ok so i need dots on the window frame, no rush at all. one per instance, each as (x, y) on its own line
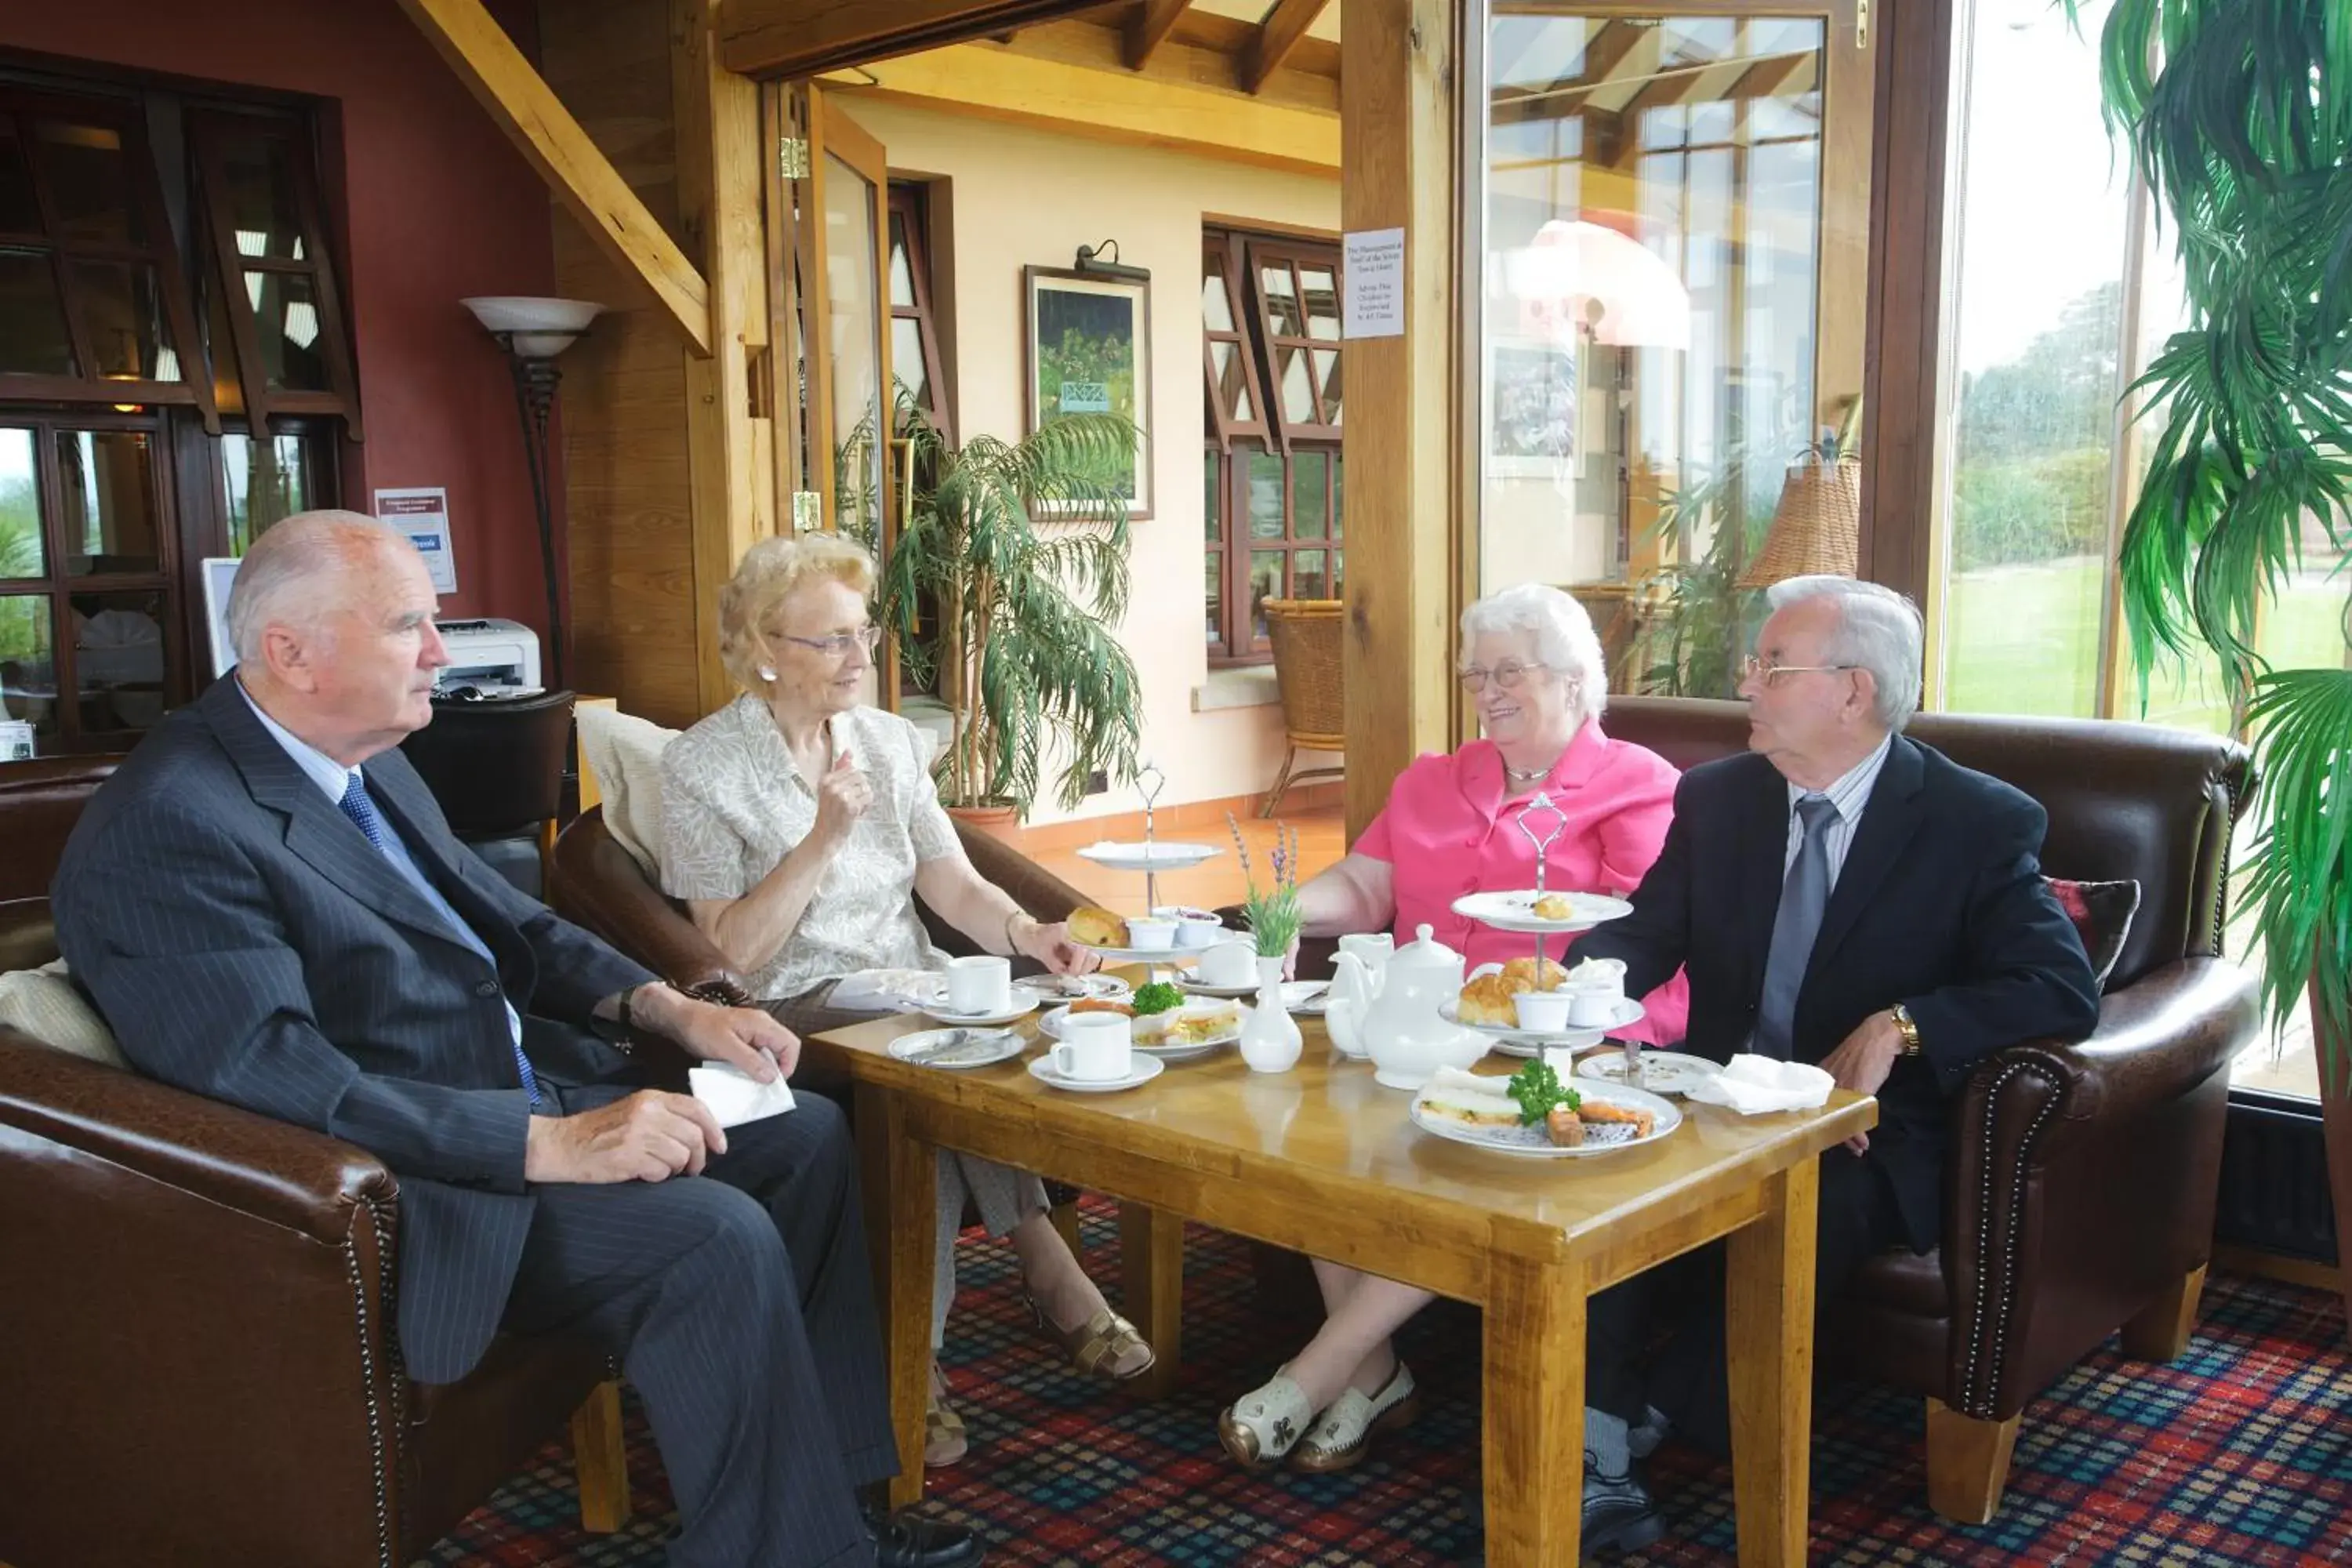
(24, 104)
(1227, 250)
(1296, 256)
(1238, 643)
(909, 203)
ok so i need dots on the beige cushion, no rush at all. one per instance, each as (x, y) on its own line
(42, 1003)
(623, 752)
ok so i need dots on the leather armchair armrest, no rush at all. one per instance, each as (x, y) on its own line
(286, 1176)
(2082, 1178)
(596, 885)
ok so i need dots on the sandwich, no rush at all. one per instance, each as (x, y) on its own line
(1470, 1099)
(1094, 927)
(1201, 1024)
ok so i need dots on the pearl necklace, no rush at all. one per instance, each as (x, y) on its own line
(1529, 775)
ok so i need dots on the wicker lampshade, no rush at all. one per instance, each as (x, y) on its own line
(1817, 527)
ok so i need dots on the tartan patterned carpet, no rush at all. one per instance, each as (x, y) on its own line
(2239, 1454)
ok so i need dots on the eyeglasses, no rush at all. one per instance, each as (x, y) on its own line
(1769, 673)
(1507, 675)
(838, 645)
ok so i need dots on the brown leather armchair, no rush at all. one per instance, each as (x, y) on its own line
(196, 1353)
(2081, 1190)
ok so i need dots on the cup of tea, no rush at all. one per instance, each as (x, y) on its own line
(1095, 1047)
(981, 984)
(1228, 964)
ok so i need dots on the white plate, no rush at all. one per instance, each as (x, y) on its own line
(1516, 910)
(906, 1046)
(1164, 956)
(1295, 992)
(1156, 856)
(1534, 1143)
(1663, 1072)
(1146, 1069)
(1104, 987)
(1051, 1025)
(1629, 1013)
(1026, 999)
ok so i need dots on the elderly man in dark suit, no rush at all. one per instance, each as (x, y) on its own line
(270, 909)
(1840, 895)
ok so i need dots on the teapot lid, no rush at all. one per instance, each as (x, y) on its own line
(1423, 950)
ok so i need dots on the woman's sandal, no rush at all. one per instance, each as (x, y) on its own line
(1096, 1346)
(945, 1441)
(1342, 1435)
(1262, 1425)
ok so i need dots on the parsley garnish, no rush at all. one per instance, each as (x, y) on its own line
(1157, 997)
(1539, 1091)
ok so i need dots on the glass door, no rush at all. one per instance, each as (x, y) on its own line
(1675, 210)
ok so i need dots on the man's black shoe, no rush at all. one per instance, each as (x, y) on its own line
(910, 1540)
(1617, 1512)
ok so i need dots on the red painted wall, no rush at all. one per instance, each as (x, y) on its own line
(437, 206)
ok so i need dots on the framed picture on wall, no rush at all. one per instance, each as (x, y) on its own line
(1089, 351)
(1532, 400)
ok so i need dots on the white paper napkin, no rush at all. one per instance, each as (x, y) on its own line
(1752, 1085)
(734, 1096)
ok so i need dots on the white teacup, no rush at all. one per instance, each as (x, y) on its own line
(1228, 964)
(1593, 1004)
(1543, 1012)
(980, 983)
(1151, 933)
(1095, 1047)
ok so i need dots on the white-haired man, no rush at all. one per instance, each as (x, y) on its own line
(1841, 895)
(270, 910)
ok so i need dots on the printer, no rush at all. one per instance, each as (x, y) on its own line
(495, 656)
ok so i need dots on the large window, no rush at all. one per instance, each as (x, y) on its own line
(1274, 509)
(173, 368)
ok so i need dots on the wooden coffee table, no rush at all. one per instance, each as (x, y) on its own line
(1323, 1160)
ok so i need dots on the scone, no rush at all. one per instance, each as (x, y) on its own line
(1487, 1000)
(1091, 926)
(1520, 972)
(1554, 907)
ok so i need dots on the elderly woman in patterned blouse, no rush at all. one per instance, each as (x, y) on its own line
(800, 824)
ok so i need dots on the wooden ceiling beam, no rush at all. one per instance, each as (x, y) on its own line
(1605, 51)
(473, 43)
(803, 37)
(1773, 76)
(1277, 36)
(1148, 26)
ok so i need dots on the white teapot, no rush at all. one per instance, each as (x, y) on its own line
(1391, 1014)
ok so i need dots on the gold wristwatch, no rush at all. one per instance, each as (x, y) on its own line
(1908, 1027)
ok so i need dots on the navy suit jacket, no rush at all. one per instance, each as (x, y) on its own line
(1940, 905)
(245, 942)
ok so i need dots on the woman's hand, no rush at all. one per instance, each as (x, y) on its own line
(843, 796)
(1050, 946)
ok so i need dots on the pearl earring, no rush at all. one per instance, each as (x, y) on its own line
(767, 672)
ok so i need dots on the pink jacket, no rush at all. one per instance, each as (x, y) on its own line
(1446, 833)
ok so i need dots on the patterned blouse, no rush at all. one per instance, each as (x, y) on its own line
(733, 805)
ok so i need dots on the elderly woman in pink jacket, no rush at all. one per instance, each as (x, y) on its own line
(1532, 666)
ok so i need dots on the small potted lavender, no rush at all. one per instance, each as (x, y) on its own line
(1270, 1040)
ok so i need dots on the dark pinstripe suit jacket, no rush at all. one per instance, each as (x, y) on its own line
(246, 942)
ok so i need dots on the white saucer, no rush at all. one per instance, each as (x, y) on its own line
(1671, 1073)
(907, 1047)
(1103, 987)
(1162, 956)
(1147, 1067)
(1026, 999)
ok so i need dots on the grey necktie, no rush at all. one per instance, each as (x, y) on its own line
(1802, 898)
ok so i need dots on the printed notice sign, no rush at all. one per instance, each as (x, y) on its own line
(1374, 274)
(423, 514)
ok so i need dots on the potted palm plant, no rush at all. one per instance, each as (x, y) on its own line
(2240, 117)
(1008, 576)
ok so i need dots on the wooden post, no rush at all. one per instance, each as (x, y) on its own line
(1399, 81)
(731, 435)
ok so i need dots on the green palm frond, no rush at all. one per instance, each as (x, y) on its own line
(2239, 115)
(1023, 547)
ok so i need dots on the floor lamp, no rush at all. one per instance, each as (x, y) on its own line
(532, 332)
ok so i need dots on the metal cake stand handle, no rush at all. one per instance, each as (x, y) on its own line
(1149, 782)
(1543, 802)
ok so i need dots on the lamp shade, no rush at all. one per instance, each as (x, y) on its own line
(1817, 528)
(1579, 274)
(536, 328)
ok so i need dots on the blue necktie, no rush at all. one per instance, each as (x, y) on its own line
(359, 807)
(1803, 896)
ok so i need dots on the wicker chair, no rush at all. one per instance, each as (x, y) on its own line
(1305, 633)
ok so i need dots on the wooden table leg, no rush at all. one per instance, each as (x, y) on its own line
(1769, 1304)
(1151, 1263)
(908, 1172)
(1534, 1412)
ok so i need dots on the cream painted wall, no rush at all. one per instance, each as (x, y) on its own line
(1023, 197)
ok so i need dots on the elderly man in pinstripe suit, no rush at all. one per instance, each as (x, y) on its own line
(270, 909)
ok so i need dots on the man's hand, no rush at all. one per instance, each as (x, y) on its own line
(843, 796)
(648, 1137)
(1050, 946)
(744, 1039)
(1862, 1060)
